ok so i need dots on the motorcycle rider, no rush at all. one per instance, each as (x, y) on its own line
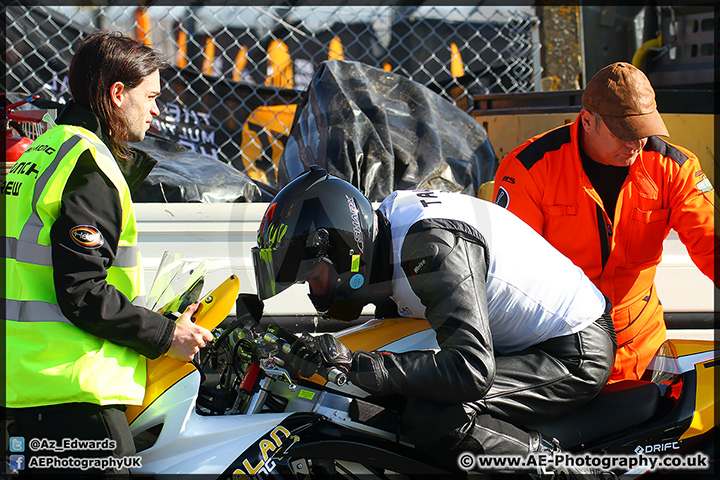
(523, 333)
(76, 345)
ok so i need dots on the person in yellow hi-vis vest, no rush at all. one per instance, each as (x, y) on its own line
(76, 344)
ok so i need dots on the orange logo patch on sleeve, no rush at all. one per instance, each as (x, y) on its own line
(87, 236)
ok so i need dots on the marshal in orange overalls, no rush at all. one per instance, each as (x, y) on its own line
(543, 182)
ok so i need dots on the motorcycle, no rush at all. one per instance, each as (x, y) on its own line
(236, 413)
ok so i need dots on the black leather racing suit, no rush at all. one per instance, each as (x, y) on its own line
(467, 391)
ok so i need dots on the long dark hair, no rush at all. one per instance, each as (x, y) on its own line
(101, 59)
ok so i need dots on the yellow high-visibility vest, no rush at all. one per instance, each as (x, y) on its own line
(48, 359)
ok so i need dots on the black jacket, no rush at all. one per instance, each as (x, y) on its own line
(447, 270)
(84, 296)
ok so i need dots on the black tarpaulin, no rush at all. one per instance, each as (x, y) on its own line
(383, 132)
(185, 176)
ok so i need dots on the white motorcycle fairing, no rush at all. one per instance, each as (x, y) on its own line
(189, 443)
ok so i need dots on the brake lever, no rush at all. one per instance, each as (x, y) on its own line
(269, 367)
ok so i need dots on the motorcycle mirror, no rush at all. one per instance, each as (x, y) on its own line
(251, 305)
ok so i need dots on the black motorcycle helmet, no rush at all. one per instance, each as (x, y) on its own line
(318, 218)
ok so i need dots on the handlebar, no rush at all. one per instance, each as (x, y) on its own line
(329, 373)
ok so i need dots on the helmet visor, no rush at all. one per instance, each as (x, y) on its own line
(276, 269)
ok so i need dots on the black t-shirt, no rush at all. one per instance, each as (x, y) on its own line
(607, 180)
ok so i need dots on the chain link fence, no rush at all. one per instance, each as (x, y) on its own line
(239, 72)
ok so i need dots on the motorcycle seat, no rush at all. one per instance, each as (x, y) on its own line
(616, 408)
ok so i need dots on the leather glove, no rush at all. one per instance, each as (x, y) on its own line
(249, 303)
(308, 353)
(369, 373)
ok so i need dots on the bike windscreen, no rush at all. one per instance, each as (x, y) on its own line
(175, 278)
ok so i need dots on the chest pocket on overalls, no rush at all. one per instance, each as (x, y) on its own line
(560, 221)
(646, 233)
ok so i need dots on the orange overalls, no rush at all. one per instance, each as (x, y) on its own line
(543, 182)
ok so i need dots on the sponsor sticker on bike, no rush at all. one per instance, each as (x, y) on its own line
(265, 453)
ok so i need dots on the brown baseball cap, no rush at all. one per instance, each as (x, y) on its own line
(622, 95)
